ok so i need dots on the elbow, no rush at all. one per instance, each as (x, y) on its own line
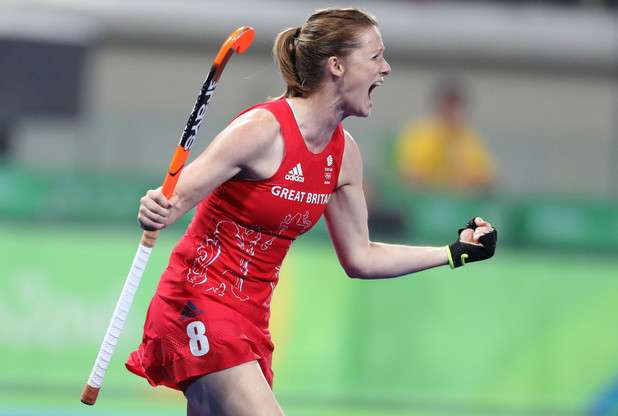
(353, 273)
(355, 270)
(357, 264)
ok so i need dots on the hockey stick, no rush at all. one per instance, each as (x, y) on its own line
(238, 41)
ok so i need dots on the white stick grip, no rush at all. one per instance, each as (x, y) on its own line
(118, 319)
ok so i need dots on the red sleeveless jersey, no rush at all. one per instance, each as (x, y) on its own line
(235, 245)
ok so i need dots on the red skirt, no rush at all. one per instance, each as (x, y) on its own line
(189, 337)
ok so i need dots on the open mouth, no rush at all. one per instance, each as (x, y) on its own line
(374, 86)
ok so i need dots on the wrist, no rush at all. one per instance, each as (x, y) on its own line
(456, 255)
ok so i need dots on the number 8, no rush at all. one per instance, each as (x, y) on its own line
(198, 342)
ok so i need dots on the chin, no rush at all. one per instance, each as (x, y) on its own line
(363, 114)
(363, 110)
(367, 112)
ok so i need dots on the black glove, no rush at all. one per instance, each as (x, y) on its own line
(460, 253)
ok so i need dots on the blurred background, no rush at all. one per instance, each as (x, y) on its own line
(93, 99)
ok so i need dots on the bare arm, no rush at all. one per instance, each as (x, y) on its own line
(346, 220)
(250, 147)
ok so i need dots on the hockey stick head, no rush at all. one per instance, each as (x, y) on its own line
(242, 38)
(238, 41)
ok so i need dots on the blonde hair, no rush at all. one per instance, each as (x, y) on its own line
(302, 52)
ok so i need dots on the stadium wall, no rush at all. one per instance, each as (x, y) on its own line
(543, 83)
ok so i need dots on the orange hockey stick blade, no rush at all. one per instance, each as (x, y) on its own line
(239, 40)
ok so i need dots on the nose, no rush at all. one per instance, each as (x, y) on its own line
(386, 68)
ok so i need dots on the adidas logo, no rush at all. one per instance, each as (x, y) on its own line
(190, 311)
(296, 174)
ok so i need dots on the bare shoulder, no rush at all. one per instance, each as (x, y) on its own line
(259, 125)
(255, 131)
(253, 143)
(350, 145)
(352, 164)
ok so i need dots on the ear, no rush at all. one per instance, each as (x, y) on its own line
(335, 66)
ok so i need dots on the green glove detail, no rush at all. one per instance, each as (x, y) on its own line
(460, 253)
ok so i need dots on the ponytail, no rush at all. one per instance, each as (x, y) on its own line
(284, 52)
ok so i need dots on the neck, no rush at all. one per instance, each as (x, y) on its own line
(317, 118)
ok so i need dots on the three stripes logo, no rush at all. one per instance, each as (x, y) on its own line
(190, 311)
(296, 174)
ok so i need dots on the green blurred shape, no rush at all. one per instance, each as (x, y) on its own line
(528, 332)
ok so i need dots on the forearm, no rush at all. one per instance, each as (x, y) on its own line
(194, 185)
(382, 261)
(177, 211)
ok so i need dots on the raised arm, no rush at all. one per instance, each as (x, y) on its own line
(251, 147)
(346, 220)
